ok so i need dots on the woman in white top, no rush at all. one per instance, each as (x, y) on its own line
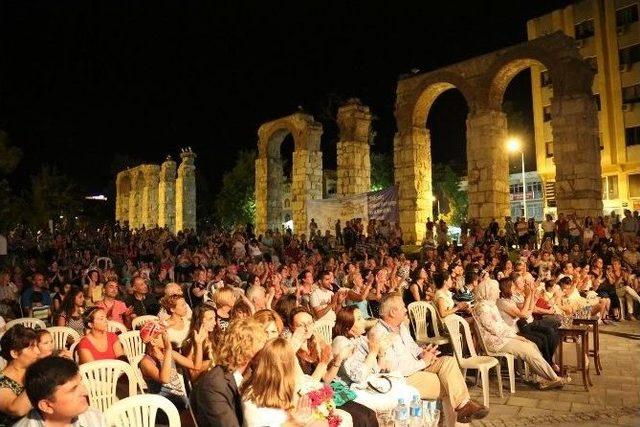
(500, 337)
(177, 324)
(443, 296)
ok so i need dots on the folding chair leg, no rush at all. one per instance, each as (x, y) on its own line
(512, 374)
(499, 379)
(484, 375)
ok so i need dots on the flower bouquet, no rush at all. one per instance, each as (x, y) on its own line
(323, 406)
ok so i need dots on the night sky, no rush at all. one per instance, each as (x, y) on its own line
(84, 81)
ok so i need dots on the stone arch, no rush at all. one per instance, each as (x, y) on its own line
(306, 170)
(412, 145)
(483, 81)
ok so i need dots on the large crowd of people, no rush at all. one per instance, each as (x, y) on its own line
(238, 314)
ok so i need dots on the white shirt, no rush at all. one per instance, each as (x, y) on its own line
(548, 226)
(262, 417)
(320, 298)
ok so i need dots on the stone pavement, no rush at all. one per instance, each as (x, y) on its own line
(613, 399)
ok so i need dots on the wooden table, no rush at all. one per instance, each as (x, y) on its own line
(592, 323)
(576, 332)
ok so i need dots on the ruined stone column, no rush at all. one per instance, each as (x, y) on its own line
(150, 196)
(167, 195)
(412, 175)
(122, 197)
(306, 184)
(135, 198)
(186, 192)
(261, 195)
(487, 166)
(354, 163)
(274, 191)
(577, 155)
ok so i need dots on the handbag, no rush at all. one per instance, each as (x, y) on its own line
(341, 393)
(379, 383)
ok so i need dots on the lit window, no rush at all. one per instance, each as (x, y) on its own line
(631, 94)
(627, 15)
(634, 185)
(632, 135)
(629, 55)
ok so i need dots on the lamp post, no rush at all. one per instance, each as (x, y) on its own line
(514, 145)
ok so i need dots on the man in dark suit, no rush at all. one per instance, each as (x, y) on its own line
(216, 399)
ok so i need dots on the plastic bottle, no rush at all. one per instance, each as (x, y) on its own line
(415, 412)
(401, 414)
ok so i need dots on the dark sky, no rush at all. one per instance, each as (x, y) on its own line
(82, 81)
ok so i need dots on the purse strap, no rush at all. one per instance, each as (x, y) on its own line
(378, 389)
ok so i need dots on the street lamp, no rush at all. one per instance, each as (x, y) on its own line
(514, 145)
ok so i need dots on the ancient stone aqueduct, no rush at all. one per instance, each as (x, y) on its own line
(482, 81)
(153, 196)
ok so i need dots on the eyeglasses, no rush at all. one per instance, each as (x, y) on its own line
(306, 325)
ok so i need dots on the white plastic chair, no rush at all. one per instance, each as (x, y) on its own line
(140, 411)
(418, 316)
(135, 364)
(131, 344)
(61, 334)
(27, 322)
(139, 321)
(510, 358)
(455, 324)
(101, 380)
(113, 326)
(324, 330)
(74, 353)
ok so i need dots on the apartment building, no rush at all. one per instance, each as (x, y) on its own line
(607, 33)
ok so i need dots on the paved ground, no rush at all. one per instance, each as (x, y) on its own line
(613, 399)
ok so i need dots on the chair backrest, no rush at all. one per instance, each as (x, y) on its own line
(113, 326)
(101, 380)
(74, 353)
(104, 263)
(131, 344)
(458, 331)
(135, 364)
(483, 346)
(324, 330)
(139, 321)
(61, 334)
(418, 313)
(28, 322)
(140, 411)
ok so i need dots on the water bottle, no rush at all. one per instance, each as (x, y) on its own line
(401, 414)
(415, 412)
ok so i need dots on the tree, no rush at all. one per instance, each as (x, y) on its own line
(52, 194)
(446, 184)
(381, 171)
(235, 203)
(9, 156)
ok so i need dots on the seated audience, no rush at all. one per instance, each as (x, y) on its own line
(98, 343)
(177, 325)
(58, 396)
(204, 317)
(115, 309)
(216, 399)
(141, 302)
(71, 311)
(444, 297)
(172, 288)
(158, 366)
(19, 347)
(46, 346)
(500, 337)
(416, 363)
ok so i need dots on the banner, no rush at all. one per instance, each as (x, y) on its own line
(377, 205)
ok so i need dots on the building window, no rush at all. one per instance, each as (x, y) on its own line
(632, 135)
(634, 185)
(592, 62)
(546, 113)
(545, 78)
(610, 187)
(585, 29)
(629, 55)
(596, 99)
(631, 94)
(627, 15)
(549, 148)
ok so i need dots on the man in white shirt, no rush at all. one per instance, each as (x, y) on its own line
(324, 299)
(419, 364)
(548, 229)
(58, 396)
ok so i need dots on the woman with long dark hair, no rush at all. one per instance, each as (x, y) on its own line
(71, 311)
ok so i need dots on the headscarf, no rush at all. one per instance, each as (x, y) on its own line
(486, 290)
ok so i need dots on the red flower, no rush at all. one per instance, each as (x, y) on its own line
(334, 420)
